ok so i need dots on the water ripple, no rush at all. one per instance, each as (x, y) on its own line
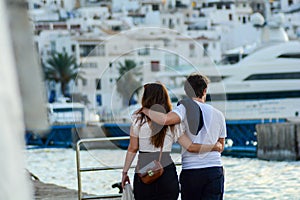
(245, 178)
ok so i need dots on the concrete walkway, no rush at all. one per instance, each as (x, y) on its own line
(45, 191)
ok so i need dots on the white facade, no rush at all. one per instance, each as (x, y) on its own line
(154, 50)
(292, 17)
(93, 12)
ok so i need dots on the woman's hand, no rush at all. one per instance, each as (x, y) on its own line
(218, 147)
(125, 179)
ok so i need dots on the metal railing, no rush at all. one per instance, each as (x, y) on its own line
(80, 170)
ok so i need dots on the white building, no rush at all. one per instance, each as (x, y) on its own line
(154, 50)
(291, 9)
(157, 35)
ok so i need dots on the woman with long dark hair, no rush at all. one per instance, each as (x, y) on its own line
(148, 138)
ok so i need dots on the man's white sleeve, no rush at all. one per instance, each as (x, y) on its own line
(180, 111)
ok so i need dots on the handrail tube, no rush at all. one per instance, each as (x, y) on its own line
(112, 168)
(102, 197)
(103, 168)
(102, 139)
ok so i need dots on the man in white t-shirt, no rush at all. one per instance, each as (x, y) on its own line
(202, 174)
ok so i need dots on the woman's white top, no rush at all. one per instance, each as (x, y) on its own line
(143, 132)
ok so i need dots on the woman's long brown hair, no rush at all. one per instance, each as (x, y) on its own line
(156, 98)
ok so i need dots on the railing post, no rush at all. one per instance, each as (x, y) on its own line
(78, 169)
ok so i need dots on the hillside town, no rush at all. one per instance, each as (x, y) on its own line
(148, 38)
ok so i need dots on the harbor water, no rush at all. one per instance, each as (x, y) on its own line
(245, 178)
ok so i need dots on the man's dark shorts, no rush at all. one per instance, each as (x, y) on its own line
(202, 184)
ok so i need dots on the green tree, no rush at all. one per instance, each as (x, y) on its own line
(61, 68)
(127, 85)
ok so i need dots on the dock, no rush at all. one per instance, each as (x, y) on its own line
(278, 141)
(46, 191)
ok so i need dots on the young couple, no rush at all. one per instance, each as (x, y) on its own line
(198, 127)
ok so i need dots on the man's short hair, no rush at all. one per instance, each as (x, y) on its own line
(195, 85)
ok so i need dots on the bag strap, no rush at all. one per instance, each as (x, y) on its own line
(161, 148)
(160, 154)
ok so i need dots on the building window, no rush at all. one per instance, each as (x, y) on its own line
(75, 26)
(192, 50)
(205, 48)
(155, 7)
(144, 51)
(230, 17)
(60, 26)
(171, 60)
(84, 82)
(53, 46)
(89, 65)
(99, 50)
(73, 47)
(99, 99)
(155, 66)
(98, 84)
(244, 20)
(171, 24)
(85, 50)
(258, 6)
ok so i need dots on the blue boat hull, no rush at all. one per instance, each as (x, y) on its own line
(240, 141)
(117, 130)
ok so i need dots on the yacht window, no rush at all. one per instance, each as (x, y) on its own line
(273, 76)
(290, 55)
(214, 79)
(253, 95)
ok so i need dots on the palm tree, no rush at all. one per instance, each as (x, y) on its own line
(127, 85)
(61, 68)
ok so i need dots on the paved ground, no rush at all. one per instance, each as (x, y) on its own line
(45, 191)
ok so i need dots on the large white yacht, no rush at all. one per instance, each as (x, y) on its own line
(265, 85)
